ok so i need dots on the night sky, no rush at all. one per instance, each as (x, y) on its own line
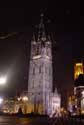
(64, 22)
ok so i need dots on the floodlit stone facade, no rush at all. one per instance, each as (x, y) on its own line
(40, 95)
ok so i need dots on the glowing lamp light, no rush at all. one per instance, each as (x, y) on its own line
(2, 80)
(25, 98)
(1, 100)
(79, 64)
(83, 93)
(19, 99)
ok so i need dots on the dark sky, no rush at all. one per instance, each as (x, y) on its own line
(64, 22)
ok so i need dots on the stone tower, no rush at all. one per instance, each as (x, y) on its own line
(40, 72)
(78, 69)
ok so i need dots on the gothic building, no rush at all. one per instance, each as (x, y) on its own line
(78, 69)
(40, 95)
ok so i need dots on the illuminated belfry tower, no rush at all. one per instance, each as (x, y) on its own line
(40, 72)
(78, 69)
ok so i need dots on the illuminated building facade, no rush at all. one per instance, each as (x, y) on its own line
(79, 87)
(10, 106)
(40, 95)
(76, 101)
(72, 104)
(78, 69)
(79, 95)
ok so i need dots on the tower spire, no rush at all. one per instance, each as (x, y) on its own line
(41, 34)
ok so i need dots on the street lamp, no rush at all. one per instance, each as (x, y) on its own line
(1, 100)
(25, 98)
(3, 80)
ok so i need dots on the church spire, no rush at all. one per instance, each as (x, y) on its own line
(41, 34)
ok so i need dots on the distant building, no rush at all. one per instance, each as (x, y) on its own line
(76, 101)
(78, 69)
(72, 104)
(10, 106)
(79, 93)
(79, 86)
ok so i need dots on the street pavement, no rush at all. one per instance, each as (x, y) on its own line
(6, 120)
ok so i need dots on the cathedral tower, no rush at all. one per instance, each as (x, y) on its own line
(78, 69)
(40, 71)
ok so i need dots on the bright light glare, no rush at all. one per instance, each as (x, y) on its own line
(1, 100)
(25, 98)
(83, 93)
(2, 80)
